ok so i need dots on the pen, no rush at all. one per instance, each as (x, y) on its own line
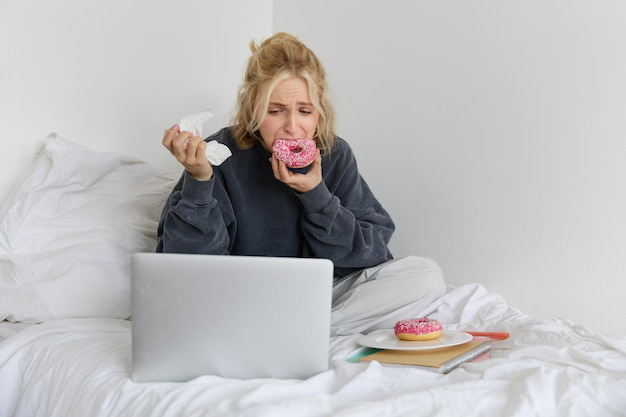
(465, 357)
(491, 335)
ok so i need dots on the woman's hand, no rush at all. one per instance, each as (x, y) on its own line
(299, 182)
(189, 150)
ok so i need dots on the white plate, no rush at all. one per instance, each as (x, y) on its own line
(386, 339)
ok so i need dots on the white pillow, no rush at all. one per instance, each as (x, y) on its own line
(68, 230)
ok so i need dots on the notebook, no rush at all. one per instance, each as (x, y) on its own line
(441, 360)
(231, 316)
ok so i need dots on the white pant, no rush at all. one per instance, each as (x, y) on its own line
(377, 297)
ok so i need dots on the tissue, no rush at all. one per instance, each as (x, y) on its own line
(216, 152)
(194, 122)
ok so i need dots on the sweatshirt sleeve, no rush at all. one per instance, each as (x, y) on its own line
(192, 222)
(342, 219)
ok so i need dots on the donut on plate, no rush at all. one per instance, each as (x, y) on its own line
(295, 153)
(418, 329)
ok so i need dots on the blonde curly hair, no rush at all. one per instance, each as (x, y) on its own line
(278, 58)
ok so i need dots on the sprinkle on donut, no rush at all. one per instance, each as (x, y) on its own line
(418, 329)
(295, 153)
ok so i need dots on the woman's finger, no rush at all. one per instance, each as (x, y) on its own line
(169, 136)
(180, 145)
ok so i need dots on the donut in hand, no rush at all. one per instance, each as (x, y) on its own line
(295, 153)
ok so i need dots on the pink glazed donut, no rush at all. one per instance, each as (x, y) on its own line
(418, 329)
(295, 153)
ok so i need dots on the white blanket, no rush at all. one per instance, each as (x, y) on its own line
(81, 367)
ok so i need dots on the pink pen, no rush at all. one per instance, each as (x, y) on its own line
(491, 335)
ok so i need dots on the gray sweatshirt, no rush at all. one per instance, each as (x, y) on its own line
(244, 210)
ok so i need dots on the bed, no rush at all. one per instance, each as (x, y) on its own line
(66, 235)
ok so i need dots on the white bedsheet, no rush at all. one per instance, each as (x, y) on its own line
(8, 328)
(81, 367)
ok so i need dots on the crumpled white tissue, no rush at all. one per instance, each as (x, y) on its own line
(216, 152)
(194, 122)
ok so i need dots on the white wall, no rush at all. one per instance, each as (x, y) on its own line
(114, 74)
(505, 120)
(493, 131)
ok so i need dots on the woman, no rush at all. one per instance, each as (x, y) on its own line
(253, 204)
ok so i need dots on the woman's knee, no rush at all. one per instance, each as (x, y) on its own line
(427, 271)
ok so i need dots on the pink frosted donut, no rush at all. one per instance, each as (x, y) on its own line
(418, 329)
(295, 153)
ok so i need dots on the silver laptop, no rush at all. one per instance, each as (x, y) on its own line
(232, 316)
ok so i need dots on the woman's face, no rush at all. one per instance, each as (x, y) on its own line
(290, 114)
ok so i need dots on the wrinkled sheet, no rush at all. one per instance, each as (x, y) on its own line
(8, 328)
(548, 367)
